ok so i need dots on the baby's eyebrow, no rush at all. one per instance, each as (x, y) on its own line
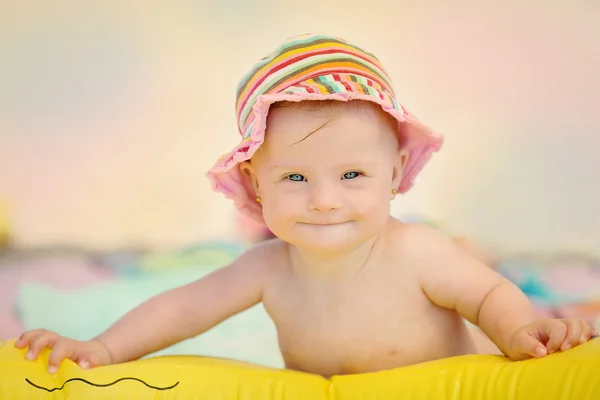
(281, 167)
(346, 165)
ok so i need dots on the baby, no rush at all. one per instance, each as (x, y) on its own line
(325, 148)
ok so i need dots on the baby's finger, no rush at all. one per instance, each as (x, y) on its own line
(574, 333)
(24, 339)
(527, 346)
(557, 332)
(38, 343)
(587, 332)
(63, 349)
(88, 361)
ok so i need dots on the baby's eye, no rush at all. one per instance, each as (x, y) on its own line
(351, 175)
(296, 177)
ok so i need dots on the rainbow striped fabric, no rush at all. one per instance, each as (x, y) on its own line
(313, 67)
(312, 64)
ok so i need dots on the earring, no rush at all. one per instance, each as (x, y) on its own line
(394, 192)
(258, 199)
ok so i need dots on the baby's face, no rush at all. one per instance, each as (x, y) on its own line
(325, 176)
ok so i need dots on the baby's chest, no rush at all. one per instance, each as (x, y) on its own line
(351, 330)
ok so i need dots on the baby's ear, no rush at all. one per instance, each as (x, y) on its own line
(400, 161)
(248, 169)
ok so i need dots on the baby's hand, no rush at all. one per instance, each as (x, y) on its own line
(87, 354)
(546, 336)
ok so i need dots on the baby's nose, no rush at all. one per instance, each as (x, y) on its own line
(325, 197)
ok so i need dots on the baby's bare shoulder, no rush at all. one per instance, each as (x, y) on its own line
(416, 239)
(254, 268)
(420, 245)
(266, 256)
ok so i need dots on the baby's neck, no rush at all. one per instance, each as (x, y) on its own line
(313, 265)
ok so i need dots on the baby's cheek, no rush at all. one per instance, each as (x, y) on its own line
(280, 211)
(369, 205)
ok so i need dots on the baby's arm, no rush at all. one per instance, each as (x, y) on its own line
(168, 318)
(187, 311)
(451, 279)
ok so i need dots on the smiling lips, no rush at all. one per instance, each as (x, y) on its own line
(324, 223)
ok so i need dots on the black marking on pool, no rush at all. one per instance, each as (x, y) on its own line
(100, 384)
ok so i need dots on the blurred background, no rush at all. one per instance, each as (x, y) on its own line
(112, 112)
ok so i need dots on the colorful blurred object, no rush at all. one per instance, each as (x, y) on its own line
(559, 286)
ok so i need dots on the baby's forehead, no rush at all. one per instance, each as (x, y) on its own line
(299, 136)
(290, 123)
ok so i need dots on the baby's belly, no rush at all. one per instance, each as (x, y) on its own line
(386, 346)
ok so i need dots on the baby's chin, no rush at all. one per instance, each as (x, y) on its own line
(331, 237)
(331, 229)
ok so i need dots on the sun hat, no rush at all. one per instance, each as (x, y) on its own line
(313, 67)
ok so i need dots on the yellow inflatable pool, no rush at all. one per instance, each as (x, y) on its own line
(574, 374)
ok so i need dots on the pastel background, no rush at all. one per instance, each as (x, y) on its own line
(111, 112)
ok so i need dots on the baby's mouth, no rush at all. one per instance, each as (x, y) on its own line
(324, 223)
